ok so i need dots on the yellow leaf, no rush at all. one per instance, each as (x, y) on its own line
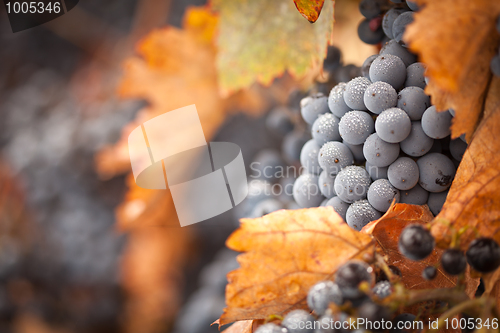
(286, 253)
(261, 39)
(310, 9)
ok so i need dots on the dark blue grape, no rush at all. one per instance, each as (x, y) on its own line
(355, 91)
(415, 242)
(417, 143)
(351, 183)
(296, 320)
(336, 101)
(376, 172)
(326, 183)
(369, 36)
(394, 48)
(388, 68)
(436, 124)
(355, 127)
(393, 125)
(322, 294)
(403, 173)
(436, 172)
(309, 157)
(414, 102)
(365, 68)
(326, 128)
(457, 149)
(388, 20)
(436, 201)
(334, 156)
(379, 152)
(339, 206)
(381, 194)
(415, 75)
(306, 191)
(380, 96)
(360, 213)
(399, 25)
(415, 196)
(312, 106)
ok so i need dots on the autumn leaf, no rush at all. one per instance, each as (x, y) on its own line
(286, 253)
(310, 9)
(386, 231)
(261, 39)
(473, 202)
(243, 326)
(456, 39)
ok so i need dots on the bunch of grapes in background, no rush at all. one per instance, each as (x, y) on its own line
(377, 138)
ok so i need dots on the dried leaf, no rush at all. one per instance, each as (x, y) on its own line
(492, 285)
(286, 253)
(386, 231)
(260, 39)
(310, 9)
(456, 39)
(473, 202)
(244, 326)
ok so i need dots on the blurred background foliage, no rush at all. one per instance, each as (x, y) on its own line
(82, 249)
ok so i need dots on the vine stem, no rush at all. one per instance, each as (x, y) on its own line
(470, 304)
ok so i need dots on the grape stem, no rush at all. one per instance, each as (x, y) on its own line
(460, 308)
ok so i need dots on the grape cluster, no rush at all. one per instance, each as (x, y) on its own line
(377, 137)
(417, 243)
(274, 172)
(354, 293)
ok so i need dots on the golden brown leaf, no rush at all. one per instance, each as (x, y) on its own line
(492, 285)
(386, 231)
(244, 326)
(456, 39)
(473, 202)
(287, 252)
(310, 9)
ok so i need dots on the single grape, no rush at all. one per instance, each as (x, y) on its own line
(394, 48)
(429, 272)
(309, 157)
(351, 183)
(414, 102)
(403, 173)
(413, 5)
(380, 96)
(279, 122)
(415, 75)
(312, 106)
(326, 183)
(326, 128)
(417, 143)
(369, 36)
(399, 25)
(339, 206)
(393, 125)
(483, 255)
(357, 152)
(355, 127)
(365, 68)
(436, 202)
(371, 8)
(323, 203)
(322, 294)
(436, 172)
(382, 289)
(453, 261)
(388, 20)
(350, 275)
(379, 152)
(306, 191)
(495, 65)
(334, 156)
(296, 321)
(415, 196)
(381, 194)
(360, 213)
(376, 172)
(336, 101)
(292, 145)
(388, 68)
(354, 92)
(457, 149)
(436, 124)
(269, 328)
(415, 242)
(374, 313)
